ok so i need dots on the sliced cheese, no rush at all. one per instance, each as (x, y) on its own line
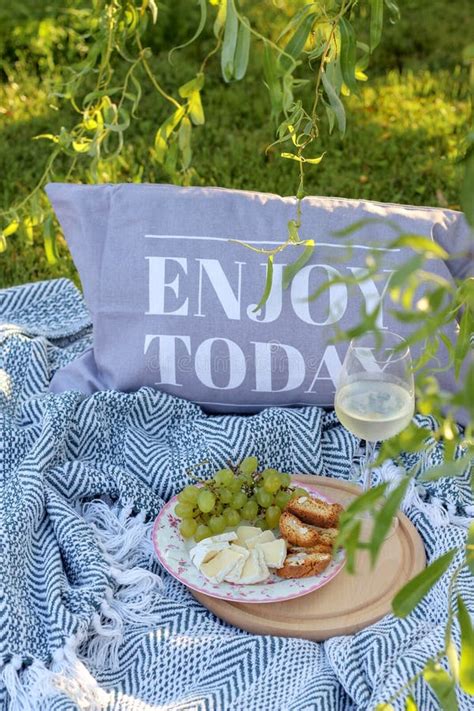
(254, 569)
(220, 565)
(203, 552)
(221, 538)
(274, 552)
(246, 532)
(262, 537)
(235, 573)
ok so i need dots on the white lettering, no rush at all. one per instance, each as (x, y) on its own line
(333, 365)
(235, 361)
(158, 285)
(221, 285)
(300, 292)
(167, 356)
(264, 362)
(370, 292)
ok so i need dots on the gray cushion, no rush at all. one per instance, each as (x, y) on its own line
(172, 298)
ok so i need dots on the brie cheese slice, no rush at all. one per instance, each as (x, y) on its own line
(220, 565)
(221, 538)
(254, 569)
(261, 537)
(202, 553)
(274, 552)
(246, 532)
(235, 573)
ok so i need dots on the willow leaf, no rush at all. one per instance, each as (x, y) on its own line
(348, 54)
(335, 103)
(443, 686)
(415, 590)
(466, 662)
(292, 269)
(230, 42)
(376, 22)
(242, 50)
(297, 42)
(268, 285)
(200, 27)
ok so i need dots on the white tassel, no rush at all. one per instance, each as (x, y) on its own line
(11, 677)
(433, 509)
(123, 539)
(73, 679)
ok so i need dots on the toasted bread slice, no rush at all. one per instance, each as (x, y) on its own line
(303, 564)
(298, 533)
(326, 537)
(315, 511)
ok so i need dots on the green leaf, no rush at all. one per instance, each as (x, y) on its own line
(230, 42)
(393, 9)
(384, 518)
(164, 132)
(268, 284)
(292, 269)
(421, 244)
(466, 662)
(384, 707)
(364, 502)
(188, 89)
(11, 228)
(400, 275)
(315, 161)
(49, 236)
(219, 22)
(442, 684)
(470, 548)
(292, 156)
(410, 704)
(415, 590)
(297, 42)
(348, 54)
(184, 141)
(453, 468)
(196, 111)
(335, 102)
(376, 23)
(200, 27)
(242, 50)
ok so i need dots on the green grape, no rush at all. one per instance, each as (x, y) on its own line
(189, 495)
(262, 524)
(235, 485)
(272, 516)
(202, 532)
(285, 480)
(282, 498)
(248, 465)
(264, 498)
(206, 500)
(223, 477)
(238, 500)
(184, 510)
(272, 483)
(299, 492)
(217, 524)
(231, 516)
(250, 510)
(188, 527)
(225, 495)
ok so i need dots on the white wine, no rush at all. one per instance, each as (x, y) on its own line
(374, 409)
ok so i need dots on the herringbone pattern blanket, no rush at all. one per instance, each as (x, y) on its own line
(87, 617)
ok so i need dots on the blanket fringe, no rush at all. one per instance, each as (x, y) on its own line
(123, 539)
(434, 510)
(28, 687)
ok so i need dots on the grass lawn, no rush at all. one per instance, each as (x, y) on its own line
(403, 142)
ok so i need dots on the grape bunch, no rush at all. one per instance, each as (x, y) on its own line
(235, 494)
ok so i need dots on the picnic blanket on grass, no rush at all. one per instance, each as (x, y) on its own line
(88, 619)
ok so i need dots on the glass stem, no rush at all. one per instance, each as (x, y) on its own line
(368, 461)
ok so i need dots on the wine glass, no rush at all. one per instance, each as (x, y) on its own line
(375, 397)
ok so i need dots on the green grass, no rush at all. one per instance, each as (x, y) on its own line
(403, 142)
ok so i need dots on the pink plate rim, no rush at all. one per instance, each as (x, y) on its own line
(211, 593)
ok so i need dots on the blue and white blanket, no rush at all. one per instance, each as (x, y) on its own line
(87, 617)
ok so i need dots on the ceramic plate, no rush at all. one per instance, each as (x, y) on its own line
(173, 553)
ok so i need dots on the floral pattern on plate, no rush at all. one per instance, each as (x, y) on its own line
(173, 553)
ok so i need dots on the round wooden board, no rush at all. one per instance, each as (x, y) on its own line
(349, 602)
